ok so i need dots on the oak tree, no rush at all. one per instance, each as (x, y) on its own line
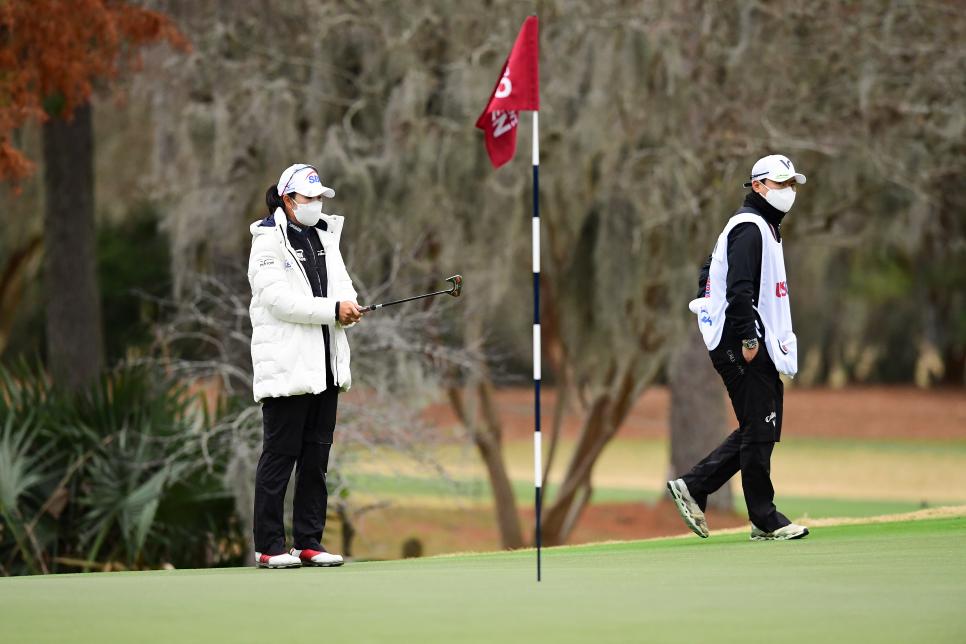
(52, 55)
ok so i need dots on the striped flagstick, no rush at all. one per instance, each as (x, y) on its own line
(517, 90)
(537, 441)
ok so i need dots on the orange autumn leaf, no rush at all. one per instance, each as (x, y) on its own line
(53, 51)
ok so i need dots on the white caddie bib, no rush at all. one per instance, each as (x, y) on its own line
(773, 306)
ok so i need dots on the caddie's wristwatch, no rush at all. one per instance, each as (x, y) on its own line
(750, 344)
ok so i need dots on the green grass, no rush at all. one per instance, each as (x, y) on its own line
(412, 489)
(632, 469)
(893, 582)
(816, 508)
(928, 446)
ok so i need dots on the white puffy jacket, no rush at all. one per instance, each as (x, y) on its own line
(288, 350)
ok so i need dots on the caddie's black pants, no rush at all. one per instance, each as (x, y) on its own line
(756, 394)
(298, 432)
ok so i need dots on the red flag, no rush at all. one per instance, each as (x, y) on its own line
(518, 88)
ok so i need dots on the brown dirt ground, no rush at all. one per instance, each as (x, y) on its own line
(867, 413)
(857, 413)
(854, 413)
(623, 521)
(474, 529)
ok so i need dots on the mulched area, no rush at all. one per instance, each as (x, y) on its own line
(854, 413)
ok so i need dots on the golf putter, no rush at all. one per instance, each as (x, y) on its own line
(455, 290)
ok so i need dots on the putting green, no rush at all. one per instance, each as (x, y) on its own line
(880, 582)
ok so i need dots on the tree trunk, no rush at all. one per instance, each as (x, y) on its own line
(348, 529)
(574, 492)
(698, 415)
(19, 270)
(605, 415)
(488, 439)
(75, 345)
(511, 535)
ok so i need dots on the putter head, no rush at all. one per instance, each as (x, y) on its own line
(457, 281)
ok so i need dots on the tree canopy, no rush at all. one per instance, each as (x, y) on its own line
(52, 53)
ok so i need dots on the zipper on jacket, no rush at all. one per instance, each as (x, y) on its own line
(333, 348)
(332, 343)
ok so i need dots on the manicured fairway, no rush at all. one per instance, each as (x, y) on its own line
(885, 582)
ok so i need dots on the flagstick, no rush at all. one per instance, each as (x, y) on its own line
(537, 465)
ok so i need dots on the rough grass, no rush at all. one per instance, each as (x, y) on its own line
(896, 581)
(415, 491)
(902, 471)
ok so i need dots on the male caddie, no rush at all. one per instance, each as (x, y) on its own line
(745, 318)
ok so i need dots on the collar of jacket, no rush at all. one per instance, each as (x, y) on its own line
(304, 230)
(768, 212)
(276, 223)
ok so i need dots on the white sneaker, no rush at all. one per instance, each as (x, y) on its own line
(791, 531)
(688, 507)
(284, 560)
(319, 558)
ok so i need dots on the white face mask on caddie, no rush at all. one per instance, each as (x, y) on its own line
(781, 198)
(779, 169)
(308, 214)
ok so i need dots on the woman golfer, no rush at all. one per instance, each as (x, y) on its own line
(302, 302)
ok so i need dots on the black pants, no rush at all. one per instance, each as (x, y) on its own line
(298, 432)
(756, 394)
